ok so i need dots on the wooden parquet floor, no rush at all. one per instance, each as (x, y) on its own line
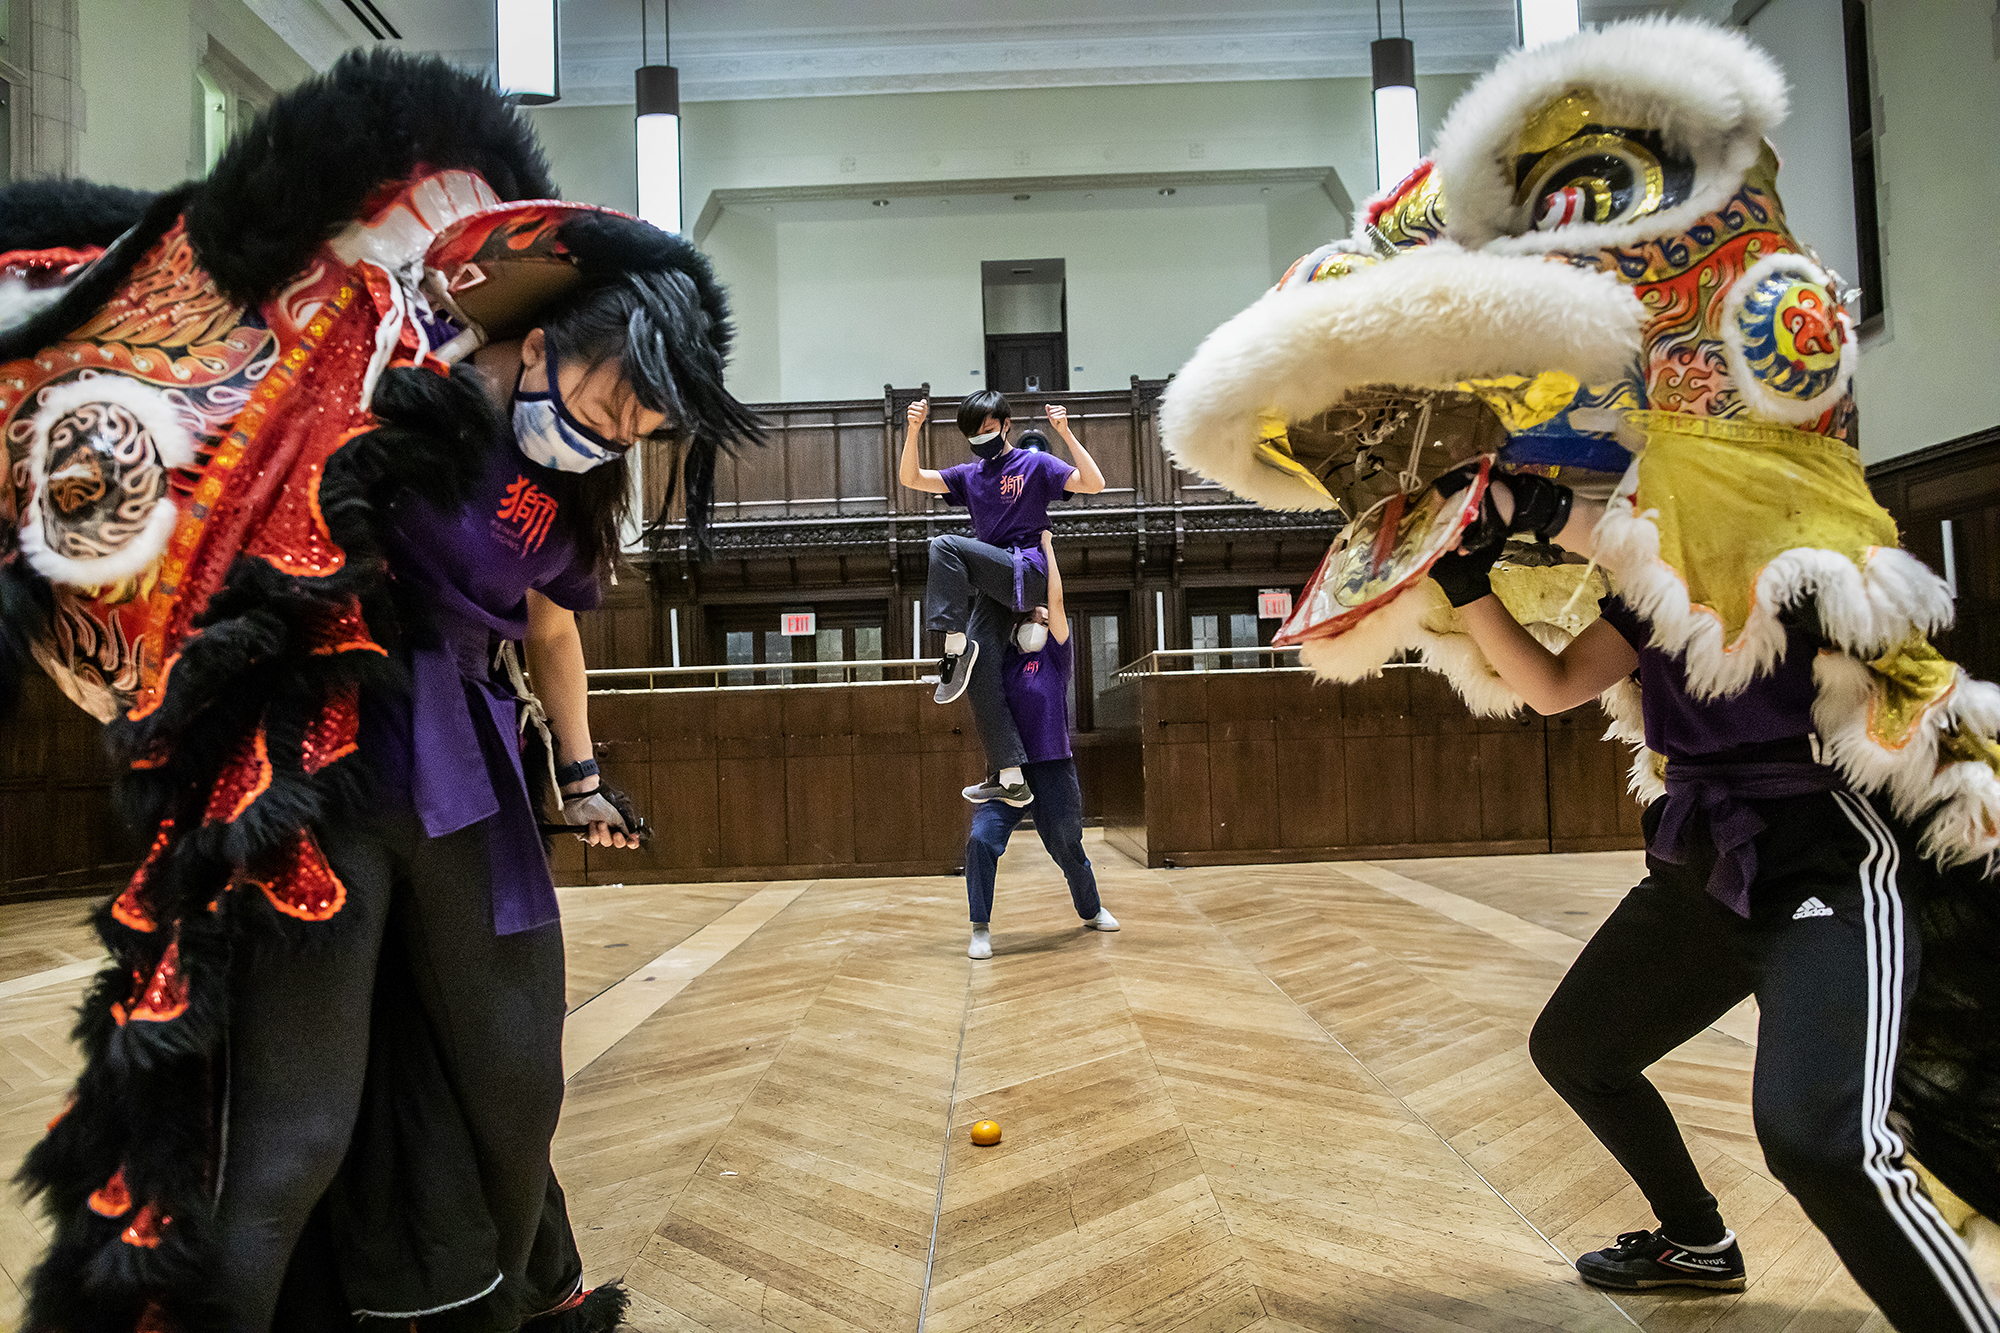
(1282, 1098)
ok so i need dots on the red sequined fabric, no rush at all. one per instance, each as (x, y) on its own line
(159, 999)
(129, 909)
(112, 1199)
(146, 1228)
(305, 886)
(245, 777)
(332, 735)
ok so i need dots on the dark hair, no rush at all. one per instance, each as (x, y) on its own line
(1032, 439)
(653, 323)
(972, 413)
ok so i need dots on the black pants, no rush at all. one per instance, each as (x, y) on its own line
(971, 591)
(1831, 953)
(463, 1076)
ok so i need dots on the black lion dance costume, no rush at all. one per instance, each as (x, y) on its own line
(1589, 303)
(217, 401)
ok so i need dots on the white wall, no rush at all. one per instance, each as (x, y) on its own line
(138, 60)
(786, 280)
(1024, 307)
(1817, 179)
(1934, 372)
(863, 304)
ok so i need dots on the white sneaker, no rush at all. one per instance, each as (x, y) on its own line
(1102, 921)
(982, 943)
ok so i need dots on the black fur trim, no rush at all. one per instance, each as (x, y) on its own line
(88, 291)
(54, 211)
(306, 167)
(146, 1100)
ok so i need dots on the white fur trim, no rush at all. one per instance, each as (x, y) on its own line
(175, 447)
(1766, 404)
(1865, 610)
(1430, 318)
(20, 303)
(1965, 826)
(1709, 91)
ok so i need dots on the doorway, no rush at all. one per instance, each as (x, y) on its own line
(1026, 305)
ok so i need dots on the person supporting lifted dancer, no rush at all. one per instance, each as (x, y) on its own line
(978, 584)
(1035, 675)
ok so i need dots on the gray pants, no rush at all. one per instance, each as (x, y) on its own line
(971, 590)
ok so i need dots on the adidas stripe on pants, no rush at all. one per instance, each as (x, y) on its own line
(1831, 954)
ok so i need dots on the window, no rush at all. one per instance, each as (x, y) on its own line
(748, 636)
(1098, 642)
(230, 97)
(1220, 620)
(1861, 125)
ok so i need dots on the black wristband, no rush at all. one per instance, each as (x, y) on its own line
(576, 772)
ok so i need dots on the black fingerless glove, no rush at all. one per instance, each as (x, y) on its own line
(1468, 577)
(1541, 506)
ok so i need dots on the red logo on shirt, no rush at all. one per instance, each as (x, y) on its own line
(531, 510)
(1031, 666)
(1011, 484)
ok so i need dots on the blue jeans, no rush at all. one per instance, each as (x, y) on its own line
(1058, 812)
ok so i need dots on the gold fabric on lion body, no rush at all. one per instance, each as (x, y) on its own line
(1729, 496)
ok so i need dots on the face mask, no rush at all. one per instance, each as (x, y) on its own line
(990, 444)
(548, 434)
(1031, 636)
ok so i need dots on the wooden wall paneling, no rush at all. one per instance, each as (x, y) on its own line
(750, 771)
(1445, 781)
(952, 760)
(1377, 759)
(1312, 774)
(1178, 810)
(619, 732)
(1513, 777)
(1587, 792)
(680, 729)
(1242, 760)
(819, 777)
(888, 819)
(812, 465)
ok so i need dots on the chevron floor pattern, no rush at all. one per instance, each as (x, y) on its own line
(1282, 1098)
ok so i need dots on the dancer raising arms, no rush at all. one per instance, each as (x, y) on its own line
(978, 584)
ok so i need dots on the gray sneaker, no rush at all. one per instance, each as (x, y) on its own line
(954, 670)
(1016, 794)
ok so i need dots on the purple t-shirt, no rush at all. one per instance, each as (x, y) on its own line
(1773, 707)
(1037, 686)
(450, 747)
(1008, 497)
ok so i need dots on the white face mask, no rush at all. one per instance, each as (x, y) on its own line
(548, 433)
(1031, 636)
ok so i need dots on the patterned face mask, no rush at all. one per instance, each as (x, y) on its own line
(549, 434)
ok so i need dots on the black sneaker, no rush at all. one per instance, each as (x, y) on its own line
(1642, 1259)
(954, 670)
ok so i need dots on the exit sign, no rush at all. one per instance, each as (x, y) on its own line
(1274, 603)
(799, 622)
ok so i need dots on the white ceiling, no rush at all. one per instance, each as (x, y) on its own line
(729, 49)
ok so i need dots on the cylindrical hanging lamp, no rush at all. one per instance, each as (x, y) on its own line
(1395, 69)
(658, 135)
(529, 50)
(1547, 21)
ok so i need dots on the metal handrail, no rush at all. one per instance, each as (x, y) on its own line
(1161, 661)
(608, 680)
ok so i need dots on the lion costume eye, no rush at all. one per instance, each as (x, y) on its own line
(1578, 166)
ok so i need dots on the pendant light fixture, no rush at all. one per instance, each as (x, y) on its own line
(1547, 21)
(1395, 69)
(658, 97)
(529, 50)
